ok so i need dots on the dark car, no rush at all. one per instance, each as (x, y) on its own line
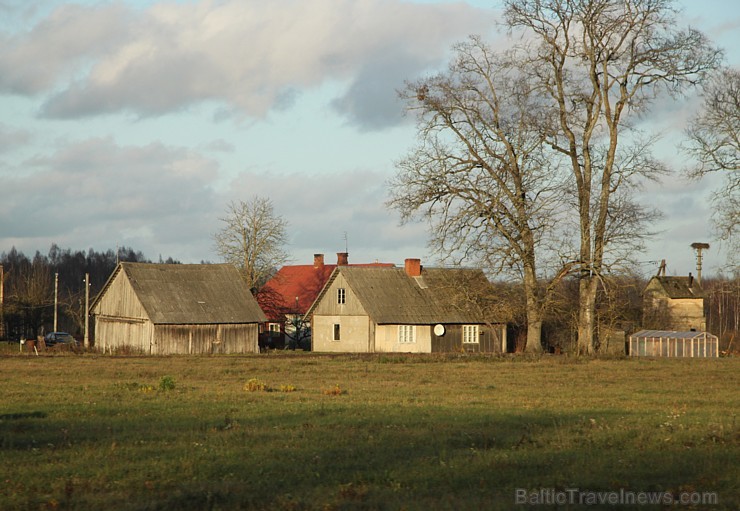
(54, 338)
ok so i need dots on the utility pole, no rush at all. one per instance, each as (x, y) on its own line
(2, 303)
(87, 311)
(56, 292)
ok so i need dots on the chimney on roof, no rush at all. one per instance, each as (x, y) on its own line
(691, 280)
(318, 260)
(412, 267)
(342, 258)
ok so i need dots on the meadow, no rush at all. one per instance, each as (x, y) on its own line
(290, 431)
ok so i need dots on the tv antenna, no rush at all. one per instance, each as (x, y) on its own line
(344, 237)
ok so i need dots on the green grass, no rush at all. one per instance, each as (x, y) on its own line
(359, 432)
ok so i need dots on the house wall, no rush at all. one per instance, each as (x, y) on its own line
(386, 340)
(354, 334)
(491, 340)
(328, 306)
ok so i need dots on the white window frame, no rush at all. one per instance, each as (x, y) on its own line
(341, 296)
(470, 334)
(273, 329)
(406, 334)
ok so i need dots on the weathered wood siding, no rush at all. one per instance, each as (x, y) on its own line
(491, 340)
(112, 333)
(205, 339)
(120, 319)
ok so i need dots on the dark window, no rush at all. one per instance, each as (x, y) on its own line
(336, 332)
(341, 295)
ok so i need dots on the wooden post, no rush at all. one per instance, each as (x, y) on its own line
(56, 292)
(2, 304)
(87, 311)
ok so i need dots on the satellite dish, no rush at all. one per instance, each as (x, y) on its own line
(439, 330)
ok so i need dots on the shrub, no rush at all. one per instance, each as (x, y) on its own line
(166, 383)
(334, 391)
(255, 385)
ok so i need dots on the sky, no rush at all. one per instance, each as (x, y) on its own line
(135, 122)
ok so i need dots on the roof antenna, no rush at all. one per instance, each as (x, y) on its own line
(344, 236)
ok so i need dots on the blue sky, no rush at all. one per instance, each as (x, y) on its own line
(134, 122)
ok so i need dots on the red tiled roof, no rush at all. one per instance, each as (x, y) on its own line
(294, 288)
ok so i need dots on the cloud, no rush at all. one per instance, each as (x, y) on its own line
(144, 196)
(251, 55)
(321, 208)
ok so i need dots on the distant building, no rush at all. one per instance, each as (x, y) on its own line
(287, 296)
(674, 303)
(407, 310)
(164, 309)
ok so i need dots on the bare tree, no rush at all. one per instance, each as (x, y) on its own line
(480, 174)
(253, 240)
(714, 142)
(600, 63)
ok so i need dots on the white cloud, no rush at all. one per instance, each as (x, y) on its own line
(252, 55)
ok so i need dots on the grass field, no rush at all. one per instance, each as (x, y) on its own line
(297, 431)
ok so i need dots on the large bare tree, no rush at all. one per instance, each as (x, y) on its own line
(714, 143)
(600, 64)
(480, 174)
(253, 239)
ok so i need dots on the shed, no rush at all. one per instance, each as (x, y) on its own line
(664, 343)
(164, 309)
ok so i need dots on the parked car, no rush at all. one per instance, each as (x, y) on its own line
(53, 338)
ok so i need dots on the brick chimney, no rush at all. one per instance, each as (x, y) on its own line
(342, 258)
(412, 267)
(318, 260)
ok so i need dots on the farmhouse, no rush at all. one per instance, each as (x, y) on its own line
(164, 309)
(674, 303)
(410, 309)
(287, 296)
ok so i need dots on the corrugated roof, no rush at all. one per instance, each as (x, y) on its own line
(680, 287)
(192, 293)
(439, 295)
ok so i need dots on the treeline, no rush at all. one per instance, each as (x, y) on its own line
(28, 293)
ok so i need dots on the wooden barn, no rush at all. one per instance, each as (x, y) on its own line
(661, 343)
(410, 310)
(164, 309)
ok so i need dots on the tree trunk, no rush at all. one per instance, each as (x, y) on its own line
(534, 311)
(534, 336)
(586, 315)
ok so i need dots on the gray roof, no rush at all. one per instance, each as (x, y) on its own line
(191, 293)
(680, 287)
(439, 295)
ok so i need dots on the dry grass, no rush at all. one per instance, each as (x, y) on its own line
(401, 432)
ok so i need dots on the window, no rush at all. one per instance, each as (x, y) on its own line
(274, 329)
(406, 334)
(341, 295)
(470, 334)
(336, 331)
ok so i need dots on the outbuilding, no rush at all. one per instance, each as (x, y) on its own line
(663, 343)
(164, 309)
